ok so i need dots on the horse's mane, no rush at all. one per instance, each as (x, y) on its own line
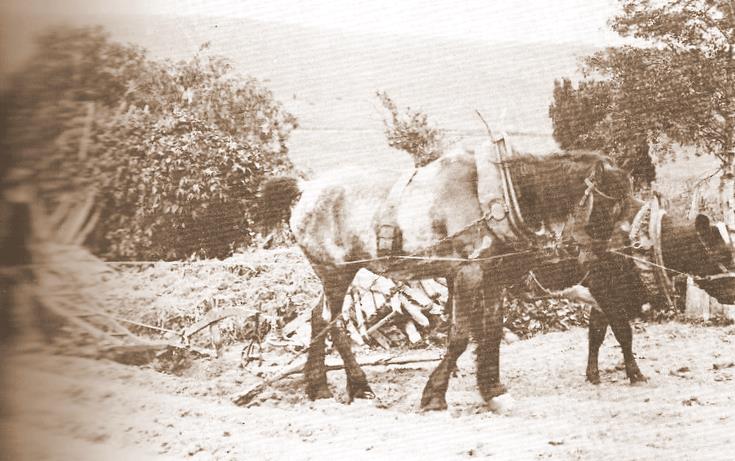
(548, 187)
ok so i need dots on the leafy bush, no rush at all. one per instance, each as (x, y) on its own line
(411, 132)
(174, 151)
(175, 188)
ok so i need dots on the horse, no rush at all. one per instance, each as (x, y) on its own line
(616, 287)
(437, 228)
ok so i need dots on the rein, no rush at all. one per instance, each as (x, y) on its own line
(707, 278)
(592, 187)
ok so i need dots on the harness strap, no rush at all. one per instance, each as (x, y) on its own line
(387, 226)
(515, 216)
(592, 187)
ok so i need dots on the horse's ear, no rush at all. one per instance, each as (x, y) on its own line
(599, 169)
(702, 225)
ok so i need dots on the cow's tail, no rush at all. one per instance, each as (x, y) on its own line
(276, 198)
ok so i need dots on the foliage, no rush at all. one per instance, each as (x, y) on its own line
(677, 87)
(590, 117)
(683, 87)
(174, 150)
(411, 132)
(529, 318)
(576, 112)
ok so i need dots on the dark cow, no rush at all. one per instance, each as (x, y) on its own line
(615, 282)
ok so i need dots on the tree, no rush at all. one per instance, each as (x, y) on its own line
(576, 113)
(174, 151)
(681, 87)
(589, 118)
(411, 132)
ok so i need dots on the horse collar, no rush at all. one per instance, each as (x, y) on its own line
(710, 256)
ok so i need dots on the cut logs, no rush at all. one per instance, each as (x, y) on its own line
(381, 312)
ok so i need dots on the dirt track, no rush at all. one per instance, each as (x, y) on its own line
(73, 408)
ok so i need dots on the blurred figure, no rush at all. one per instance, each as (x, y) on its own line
(15, 281)
(15, 254)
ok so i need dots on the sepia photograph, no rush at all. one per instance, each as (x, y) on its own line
(367, 230)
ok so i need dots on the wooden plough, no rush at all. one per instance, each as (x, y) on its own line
(63, 271)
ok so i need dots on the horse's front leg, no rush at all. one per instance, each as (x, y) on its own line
(335, 289)
(463, 287)
(315, 370)
(488, 333)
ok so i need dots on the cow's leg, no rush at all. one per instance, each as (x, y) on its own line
(615, 291)
(487, 328)
(624, 334)
(465, 284)
(597, 331)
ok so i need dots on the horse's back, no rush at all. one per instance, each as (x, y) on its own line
(440, 200)
(334, 219)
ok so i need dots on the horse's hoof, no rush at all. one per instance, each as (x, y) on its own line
(501, 404)
(319, 392)
(593, 378)
(359, 391)
(364, 394)
(638, 378)
(434, 404)
(490, 392)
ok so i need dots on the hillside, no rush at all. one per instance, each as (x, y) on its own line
(328, 79)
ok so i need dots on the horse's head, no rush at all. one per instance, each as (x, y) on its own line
(605, 207)
(712, 260)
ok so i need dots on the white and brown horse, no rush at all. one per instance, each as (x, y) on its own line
(438, 229)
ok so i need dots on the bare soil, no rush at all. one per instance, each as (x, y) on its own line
(64, 407)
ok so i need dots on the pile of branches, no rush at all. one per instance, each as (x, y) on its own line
(382, 313)
(527, 318)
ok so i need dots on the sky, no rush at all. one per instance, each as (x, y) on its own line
(556, 21)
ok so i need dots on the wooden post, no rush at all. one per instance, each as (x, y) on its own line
(697, 301)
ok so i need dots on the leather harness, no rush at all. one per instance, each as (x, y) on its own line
(496, 205)
(645, 238)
